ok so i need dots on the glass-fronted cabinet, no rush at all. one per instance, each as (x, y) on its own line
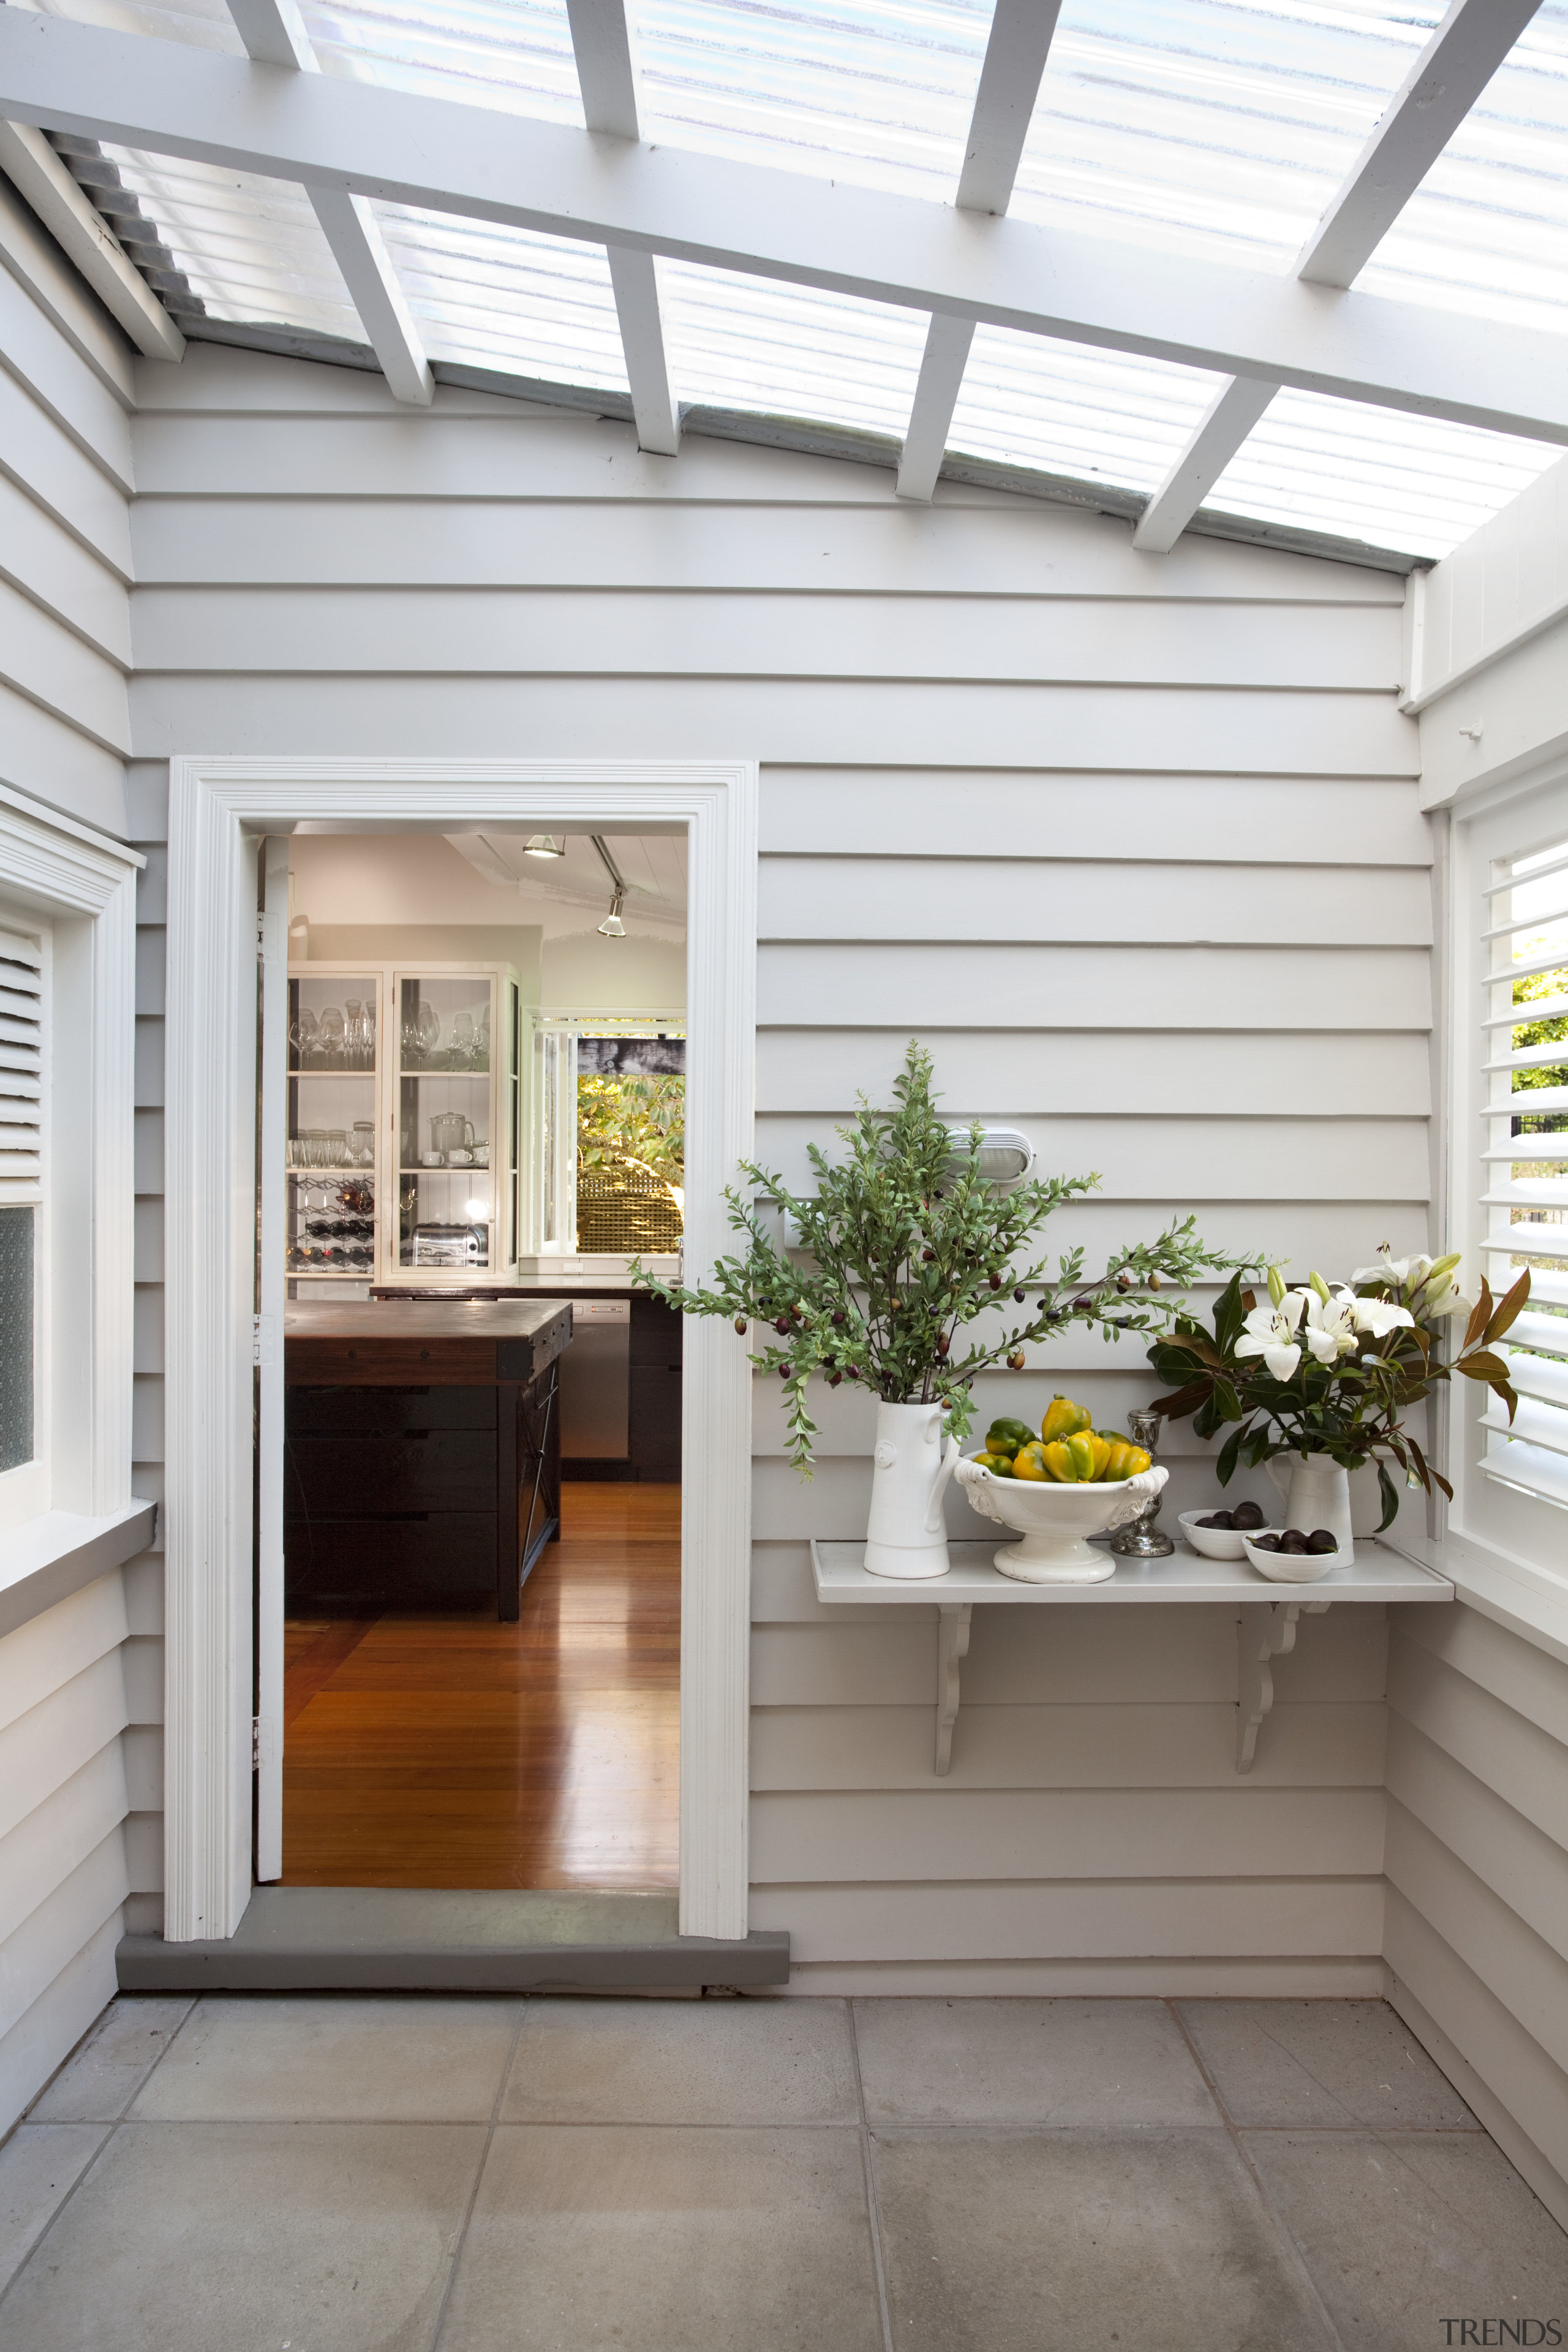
(331, 1225)
(456, 1124)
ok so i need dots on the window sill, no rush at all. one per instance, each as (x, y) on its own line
(58, 1553)
(1509, 1594)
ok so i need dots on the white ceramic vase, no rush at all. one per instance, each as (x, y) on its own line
(906, 1535)
(1316, 1493)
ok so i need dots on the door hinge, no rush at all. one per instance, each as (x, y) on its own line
(263, 1741)
(263, 1339)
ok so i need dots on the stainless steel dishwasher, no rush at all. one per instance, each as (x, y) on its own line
(595, 1382)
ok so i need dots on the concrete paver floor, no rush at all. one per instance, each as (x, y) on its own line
(344, 2174)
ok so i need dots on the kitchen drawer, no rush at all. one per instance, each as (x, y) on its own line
(372, 1412)
(431, 1470)
(442, 1561)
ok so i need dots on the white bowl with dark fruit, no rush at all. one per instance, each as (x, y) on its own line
(1293, 1554)
(1220, 1534)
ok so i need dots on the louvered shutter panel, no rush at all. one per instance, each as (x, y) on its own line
(21, 1066)
(1525, 1203)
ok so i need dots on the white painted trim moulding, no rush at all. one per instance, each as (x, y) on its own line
(218, 810)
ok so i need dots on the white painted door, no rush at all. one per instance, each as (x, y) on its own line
(270, 1285)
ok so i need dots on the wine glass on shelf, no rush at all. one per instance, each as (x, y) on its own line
(353, 1032)
(429, 1027)
(302, 1036)
(463, 1036)
(332, 1028)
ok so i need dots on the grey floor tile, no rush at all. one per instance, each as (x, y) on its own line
(1027, 2242)
(244, 2237)
(1321, 2062)
(1027, 2061)
(1402, 2230)
(299, 2059)
(668, 2241)
(40, 2164)
(97, 2083)
(710, 2062)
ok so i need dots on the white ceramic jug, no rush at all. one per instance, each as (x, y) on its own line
(906, 1535)
(1316, 1492)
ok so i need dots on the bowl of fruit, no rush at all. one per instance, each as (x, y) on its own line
(1219, 1534)
(1288, 1556)
(1056, 1489)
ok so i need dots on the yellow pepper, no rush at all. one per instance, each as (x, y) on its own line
(1126, 1461)
(1090, 1452)
(1059, 1462)
(1029, 1462)
(1063, 1418)
(999, 1465)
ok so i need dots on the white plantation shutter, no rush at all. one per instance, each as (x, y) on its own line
(21, 1066)
(1524, 1205)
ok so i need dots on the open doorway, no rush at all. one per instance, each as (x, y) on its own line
(485, 1039)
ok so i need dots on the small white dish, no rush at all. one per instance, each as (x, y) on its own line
(1288, 1567)
(1214, 1543)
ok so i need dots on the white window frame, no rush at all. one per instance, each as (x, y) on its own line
(1525, 1534)
(25, 1490)
(218, 810)
(80, 886)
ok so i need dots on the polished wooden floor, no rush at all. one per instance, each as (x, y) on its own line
(456, 1751)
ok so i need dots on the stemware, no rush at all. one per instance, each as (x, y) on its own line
(302, 1036)
(353, 1032)
(429, 1028)
(331, 1032)
(463, 1035)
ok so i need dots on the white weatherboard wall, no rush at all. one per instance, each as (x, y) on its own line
(79, 1685)
(1133, 842)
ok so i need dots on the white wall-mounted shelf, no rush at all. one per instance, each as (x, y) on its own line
(1266, 1613)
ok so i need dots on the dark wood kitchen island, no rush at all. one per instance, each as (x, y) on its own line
(421, 1460)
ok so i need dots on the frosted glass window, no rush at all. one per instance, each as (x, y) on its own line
(15, 1337)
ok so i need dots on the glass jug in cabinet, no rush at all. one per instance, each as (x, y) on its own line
(451, 1132)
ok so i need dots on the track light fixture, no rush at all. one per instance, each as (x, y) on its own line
(543, 844)
(612, 928)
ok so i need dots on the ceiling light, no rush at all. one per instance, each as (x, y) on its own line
(612, 928)
(543, 844)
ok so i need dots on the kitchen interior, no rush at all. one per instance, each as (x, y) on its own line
(486, 1048)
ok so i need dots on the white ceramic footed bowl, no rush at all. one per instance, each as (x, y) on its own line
(1054, 1521)
(1214, 1543)
(1291, 1567)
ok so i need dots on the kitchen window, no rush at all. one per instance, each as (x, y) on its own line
(24, 1235)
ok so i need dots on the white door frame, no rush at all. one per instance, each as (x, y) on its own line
(218, 808)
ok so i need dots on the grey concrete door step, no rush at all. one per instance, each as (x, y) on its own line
(435, 1939)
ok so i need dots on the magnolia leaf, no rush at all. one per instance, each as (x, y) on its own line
(1183, 1400)
(1509, 1396)
(1484, 1366)
(1225, 1468)
(1512, 1307)
(1480, 1315)
(1390, 1492)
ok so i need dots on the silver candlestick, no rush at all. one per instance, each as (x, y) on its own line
(1140, 1538)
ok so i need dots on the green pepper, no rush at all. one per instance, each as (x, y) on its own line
(999, 1465)
(1063, 1418)
(1006, 1436)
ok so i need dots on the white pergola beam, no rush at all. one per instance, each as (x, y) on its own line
(482, 164)
(1436, 94)
(945, 357)
(605, 52)
(82, 234)
(274, 34)
(1434, 98)
(1224, 427)
(1004, 99)
(1015, 52)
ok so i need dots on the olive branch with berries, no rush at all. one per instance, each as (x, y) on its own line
(903, 1245)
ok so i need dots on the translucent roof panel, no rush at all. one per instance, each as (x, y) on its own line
(1063, 408)
(1415, 483)
(1486, 231)
(250, 250)
(788, 350)
(502, 298)
(877, 91)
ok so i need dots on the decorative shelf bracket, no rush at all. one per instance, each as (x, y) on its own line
(952, 1647)
(1263, 1633)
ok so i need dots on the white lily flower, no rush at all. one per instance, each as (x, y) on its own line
(1378, 1315)
(1270, 1332)
(1331, 1330)
(1398, 1272)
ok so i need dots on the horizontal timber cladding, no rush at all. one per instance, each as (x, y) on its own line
(1478, 1869)
(78, 1680)
(1133, 842)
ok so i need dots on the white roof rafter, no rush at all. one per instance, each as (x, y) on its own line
(1015, 52)
(1103, 291)
(274, 34)
(607, 77)
(1434, 98)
